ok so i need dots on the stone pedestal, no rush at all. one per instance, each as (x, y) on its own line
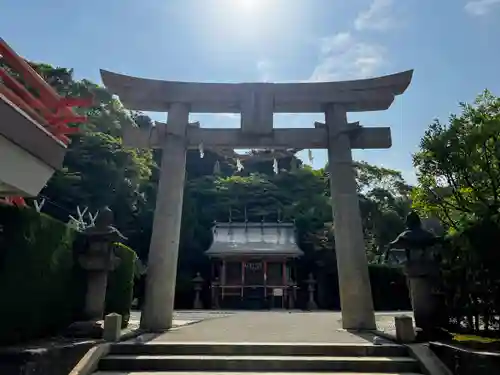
(112, 327)
(423, 277)
(97, 263)
(405, 332)
(158, 309)
(95, 298)
(354, 282)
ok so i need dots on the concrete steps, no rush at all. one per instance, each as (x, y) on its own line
(211, 358)
(260, 349)
(243, 373)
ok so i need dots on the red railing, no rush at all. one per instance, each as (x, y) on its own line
(30, 93)
(41, 102)
(13, 201)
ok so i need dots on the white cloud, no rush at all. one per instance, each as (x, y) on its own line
(377, 17)
(480, 7)
(336, 42)
(343, 57)
(229, 115)
(265, 69)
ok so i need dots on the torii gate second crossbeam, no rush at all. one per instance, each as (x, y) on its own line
(257, 102)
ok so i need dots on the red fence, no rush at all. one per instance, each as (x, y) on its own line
(24, 87)
(27, 90)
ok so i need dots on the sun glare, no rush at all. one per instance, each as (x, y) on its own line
(245, 22)
(247, 5)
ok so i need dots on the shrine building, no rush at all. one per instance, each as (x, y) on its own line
(253, 265)
(34, 128)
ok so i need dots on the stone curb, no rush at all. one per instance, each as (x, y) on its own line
(88, 364)
(430, 363)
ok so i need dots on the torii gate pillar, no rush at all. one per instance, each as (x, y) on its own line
(352, 265)
(157, 314)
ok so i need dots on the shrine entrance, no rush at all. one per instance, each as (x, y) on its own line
(257, 102)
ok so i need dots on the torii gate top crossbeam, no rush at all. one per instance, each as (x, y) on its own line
(299, 138)
(156, 95)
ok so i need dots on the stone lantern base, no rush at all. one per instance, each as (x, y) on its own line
(427, 303)
(93, 329)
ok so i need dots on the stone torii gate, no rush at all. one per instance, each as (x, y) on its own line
(257, 102)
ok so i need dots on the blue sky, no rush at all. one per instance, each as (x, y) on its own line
(451, 44)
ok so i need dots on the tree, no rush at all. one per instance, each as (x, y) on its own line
(97, 170)
(458, 182)
(384, 204)
(458, 164)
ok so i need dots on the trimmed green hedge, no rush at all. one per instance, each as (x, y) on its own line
(388, 284)
(37, 282)
(389, 288)
(119, 292)
(42, 287)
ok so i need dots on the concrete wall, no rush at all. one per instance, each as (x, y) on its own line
(20, 172)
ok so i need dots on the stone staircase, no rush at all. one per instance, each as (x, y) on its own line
(173, 358)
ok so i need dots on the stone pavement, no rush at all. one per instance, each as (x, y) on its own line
(270, 326)
(181, 318)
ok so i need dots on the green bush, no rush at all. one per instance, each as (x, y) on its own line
(119, 292)
(388, 284)
(470, 266)
(37, 278)
(389, 288)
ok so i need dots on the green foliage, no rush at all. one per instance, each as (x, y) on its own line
(474, 339)
(98, 170)
(384, 203)
(389, 288)
(121, 284)
(37, 282)
(388, 284)
(458, 164)
(42, 286)
(471, 274)
(459, 180)
(388, 182)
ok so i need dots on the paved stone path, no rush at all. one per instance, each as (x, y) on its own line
(181, 318)
(269, 326)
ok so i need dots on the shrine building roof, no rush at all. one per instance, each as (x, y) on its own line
(234, 239)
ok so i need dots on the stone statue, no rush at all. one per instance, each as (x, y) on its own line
(422, 271)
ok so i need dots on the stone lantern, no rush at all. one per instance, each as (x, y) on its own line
(423, 274)
(198, 286)
(97, 259)
(311, 287)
